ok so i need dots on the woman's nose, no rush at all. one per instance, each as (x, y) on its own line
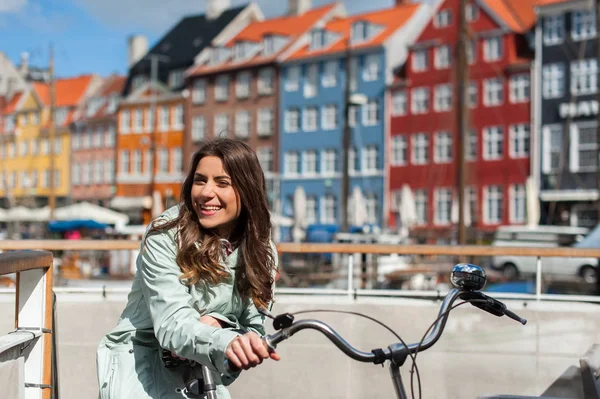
(207, 190)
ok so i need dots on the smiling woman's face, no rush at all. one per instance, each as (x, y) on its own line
(215, 200)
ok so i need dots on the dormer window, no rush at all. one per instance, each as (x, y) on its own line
(317, 39)
(93, 105)
(176, 79)
(241, 51)
(363, 31)
(61, 116)
(219, 55)
(272, 44)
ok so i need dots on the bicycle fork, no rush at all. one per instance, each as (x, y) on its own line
(397, 380)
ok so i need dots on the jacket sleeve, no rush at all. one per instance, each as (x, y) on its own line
(251, 319)
(176, 324)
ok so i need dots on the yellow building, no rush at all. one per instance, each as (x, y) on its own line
(29, 157)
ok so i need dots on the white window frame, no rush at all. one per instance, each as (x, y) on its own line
(519, 145)
(265, 122)
(291, 120)
(420, 60)
(586, 20)
(265, 158)
(309, 163)
(442, 57)
(399, 150)
(310, 119)
(552, 138)
(222, 88)
(443, 147)
(292, 79)
(199, 92)
(472, 94)
(371, 68)
(443, 18)
(399, 103)
(419, 153)
(368, 159)
(328, 209)
(520, 85)
(493, 195)
(178, 122)
(370, 113)
(329, 117)
(242, 84)
(493, 92)
(221, 124)
(291, 158)
(328, 162)
(442, 213)
(330, 74)
(493, 143)
(553, 80)
(164, 113)
(198, 128)
(243, 121)
(472, 145)
(576, 147)
(125, 121)
(553, 29)
(421, 206)
(311, 81)
(442, 98)
(584, 76)
(493, 48)
(419, 100)
(517, 203)
(266, 81)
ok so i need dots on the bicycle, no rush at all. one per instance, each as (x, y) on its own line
(467, 279)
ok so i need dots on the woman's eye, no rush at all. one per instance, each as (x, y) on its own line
(223, 183)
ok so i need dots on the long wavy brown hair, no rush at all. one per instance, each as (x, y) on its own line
(199, 252)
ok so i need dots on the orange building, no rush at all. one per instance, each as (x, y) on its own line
(149, 168)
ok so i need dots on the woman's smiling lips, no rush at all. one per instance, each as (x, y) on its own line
(209, 210)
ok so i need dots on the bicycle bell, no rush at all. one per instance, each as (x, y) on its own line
(468, 276)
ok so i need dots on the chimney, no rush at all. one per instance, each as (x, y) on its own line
(298, 7)
(24, 67)
(137, 48)
(214, 8)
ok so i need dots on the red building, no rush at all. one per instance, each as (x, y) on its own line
(423, 129)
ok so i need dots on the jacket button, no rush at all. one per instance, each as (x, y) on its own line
(130, 350)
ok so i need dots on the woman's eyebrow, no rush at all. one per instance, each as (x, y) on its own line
(216, 177)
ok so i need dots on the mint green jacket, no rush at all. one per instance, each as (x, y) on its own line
(161, 312)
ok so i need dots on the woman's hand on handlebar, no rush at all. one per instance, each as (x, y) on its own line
(248, 350)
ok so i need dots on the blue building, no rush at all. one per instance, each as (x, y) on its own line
(311, 116)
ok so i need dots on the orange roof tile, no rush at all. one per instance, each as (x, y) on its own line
(12, 103)
(68, 91)
(518, 15)
(290, 26)
(391, 19)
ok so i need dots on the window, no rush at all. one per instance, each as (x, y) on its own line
(222, 88)
(46, 178)
(328, 160)
(471, 49)
(472, 95)
(309, 119)
(176, 79)
(265, 157)
(583, 24)
(270, 45)
(23, 148)
(493, 141)
(584, 77)
(199, 91)
(353, 115)
(311, 209)
(329, 117)
(164, 118)
(420, 100)
(399, 155)
(493, 92)
(292, 120)
(442, 98)
(472, 12)
(369, 159)
(471, 202)
(136, 161)
(89, 138)
(554, 29)
(61, 115)
(471, 146)
(45, 147)
(317, 39)
(328, 209)
(76, 172)
(443, 206)
(553, 80)
(310, 81)
(421, 206)
(552, 137)
(198, 128)
(399, 103)
(110, 138)
(98, 137)
(178, 117)
(125, 122)
(265, 122)
(292, 81)
(371, 208)
(442, 150)
(519, 140)
(493, 205)
(35, 118)
(242, 124)
(221, 125)
(148, 162)
(150, 120)
(309, 162)
(124, 159)
(176, 159)
(492, 49)
(370, 113)
(442, 19)
(354, 65)
(241, 50)
(517, 203)
(242, 85)
(266, 81)
(34, 146)
(109, 171)
(420, 60)
(519, 88)
(420, 149)
(330, 74)
(163, 160)
(583, 147)
(371, 68)
(352, 161)
(441, 57)
(291, 162)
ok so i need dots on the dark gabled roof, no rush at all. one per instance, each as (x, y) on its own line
(183, 43)
(188, 38)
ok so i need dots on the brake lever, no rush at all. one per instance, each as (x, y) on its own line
(491, 305)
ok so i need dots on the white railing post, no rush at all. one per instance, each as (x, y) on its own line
(350, 275)
(538, 278)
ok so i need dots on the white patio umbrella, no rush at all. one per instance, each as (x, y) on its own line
(358, 207)
(408, 210)
(532, 202)
(300, 223)
(22, 214)
(86, 210)
(467, 209)
(2, 215)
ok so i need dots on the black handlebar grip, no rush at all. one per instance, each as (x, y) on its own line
(231, 368)
(514, 316)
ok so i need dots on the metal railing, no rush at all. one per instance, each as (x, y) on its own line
(350, 252)
(27, 352)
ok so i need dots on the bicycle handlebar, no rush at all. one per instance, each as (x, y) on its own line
(485, 302)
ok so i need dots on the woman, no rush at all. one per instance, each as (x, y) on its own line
(204, 268)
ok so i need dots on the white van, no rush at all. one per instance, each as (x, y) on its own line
(543, 237)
